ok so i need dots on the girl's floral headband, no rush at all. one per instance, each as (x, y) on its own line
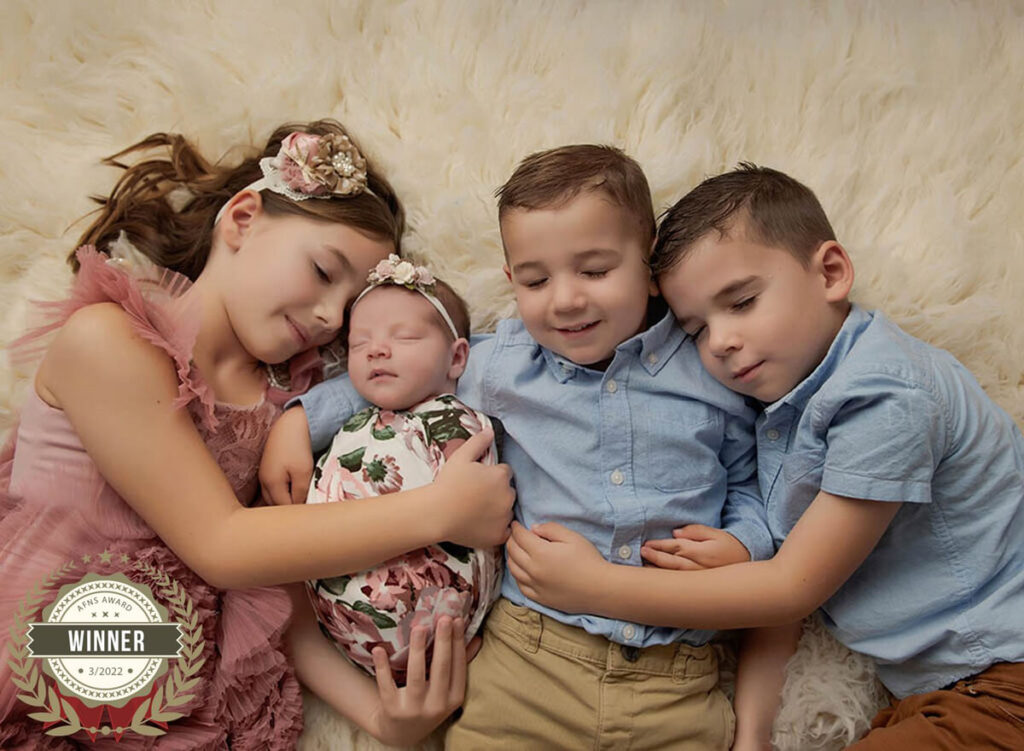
(312, 166)
(393, 270)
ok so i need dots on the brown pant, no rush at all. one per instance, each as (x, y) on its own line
(985, 711)
(540, 684)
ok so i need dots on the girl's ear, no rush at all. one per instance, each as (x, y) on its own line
(836, 269)
(460, 356)
(239, 214)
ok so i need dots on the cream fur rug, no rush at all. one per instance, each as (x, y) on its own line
(905, 117)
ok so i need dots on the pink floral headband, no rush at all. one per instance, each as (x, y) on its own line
(394, 271)
(312, 166)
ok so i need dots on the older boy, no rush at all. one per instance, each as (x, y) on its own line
(894, 486)
(615, 431)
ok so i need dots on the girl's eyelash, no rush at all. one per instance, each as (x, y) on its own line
(595, 274)
(534, 284)
(744, 303)
(321, 274)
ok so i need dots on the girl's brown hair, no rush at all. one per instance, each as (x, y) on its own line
(166, 204)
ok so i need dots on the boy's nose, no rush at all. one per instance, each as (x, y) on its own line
(722, 341)
(567, 296)
(379, 349)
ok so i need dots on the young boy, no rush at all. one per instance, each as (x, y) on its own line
(614, 430)
(894, 485)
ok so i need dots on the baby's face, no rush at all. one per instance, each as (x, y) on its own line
(398, 353)
(580, 276)
(761, 320)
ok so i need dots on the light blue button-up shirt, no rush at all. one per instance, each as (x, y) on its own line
(886, 417)
(620, 456)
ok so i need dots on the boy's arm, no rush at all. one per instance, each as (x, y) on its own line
(306, 426)
(561, 569)
(760, 676)
(743, 514)
(327, 406)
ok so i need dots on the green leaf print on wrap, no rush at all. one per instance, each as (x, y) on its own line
(379, 619)
(335, 584)
(384, 434)
(358, 420)
(353, 460)
(443, 425)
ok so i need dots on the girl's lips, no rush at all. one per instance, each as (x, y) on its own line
(298, 331)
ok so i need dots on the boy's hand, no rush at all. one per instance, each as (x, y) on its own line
(695, 547)
(475, 500)
(287, 464)
(406, 715)
(554, 565)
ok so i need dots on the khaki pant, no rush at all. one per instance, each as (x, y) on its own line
(985, 711)
(539, 684)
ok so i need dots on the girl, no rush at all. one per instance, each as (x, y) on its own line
(140, 441)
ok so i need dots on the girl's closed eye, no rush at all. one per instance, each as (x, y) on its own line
(595, 273)
(321, 273)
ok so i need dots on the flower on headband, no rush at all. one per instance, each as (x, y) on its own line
(394, 270)
(309, 165)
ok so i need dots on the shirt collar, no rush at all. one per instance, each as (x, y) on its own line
(653, 346)
(856, 321)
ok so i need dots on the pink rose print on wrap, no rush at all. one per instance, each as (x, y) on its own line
(383, 475)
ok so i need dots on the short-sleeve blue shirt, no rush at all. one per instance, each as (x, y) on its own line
(886, 417)
(620, 456)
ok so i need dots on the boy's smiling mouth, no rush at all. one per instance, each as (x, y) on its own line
(748, 372)
(576, 329)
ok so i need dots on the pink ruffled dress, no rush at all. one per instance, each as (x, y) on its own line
(55, 507)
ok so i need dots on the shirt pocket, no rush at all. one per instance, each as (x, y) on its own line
(797, 485)
(680, 446)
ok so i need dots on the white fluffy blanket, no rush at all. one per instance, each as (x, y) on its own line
(906, 118)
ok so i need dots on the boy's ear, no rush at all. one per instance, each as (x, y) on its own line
(508, 273)
(460, 356)
(239, 214)
(836, 268)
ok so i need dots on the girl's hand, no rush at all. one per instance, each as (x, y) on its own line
(406, 715)
(474, 500)
(695, 547)
(287, 464)
(554, 565)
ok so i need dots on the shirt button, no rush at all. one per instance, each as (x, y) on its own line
(652, 358)
(566, 368)
(617, 478)
(611, 387)
(772, 434)
(625, 552)
(628, 631)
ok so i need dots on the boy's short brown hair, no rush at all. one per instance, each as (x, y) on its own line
(551, 179)
(769, 206)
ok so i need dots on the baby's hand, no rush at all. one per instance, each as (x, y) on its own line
(695, 547)
(475, 500)
(287, 464)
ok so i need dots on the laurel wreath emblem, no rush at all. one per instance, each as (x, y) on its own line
(161, 708)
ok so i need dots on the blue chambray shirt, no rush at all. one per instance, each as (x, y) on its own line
(886, 417)
(620, 456)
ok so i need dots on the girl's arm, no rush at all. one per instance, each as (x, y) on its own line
(560, 569)
(760, 676)
(118, 392)
(395, 716)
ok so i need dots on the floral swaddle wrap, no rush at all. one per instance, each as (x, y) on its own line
(382, 451)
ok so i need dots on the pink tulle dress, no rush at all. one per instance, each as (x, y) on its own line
(55, 507)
